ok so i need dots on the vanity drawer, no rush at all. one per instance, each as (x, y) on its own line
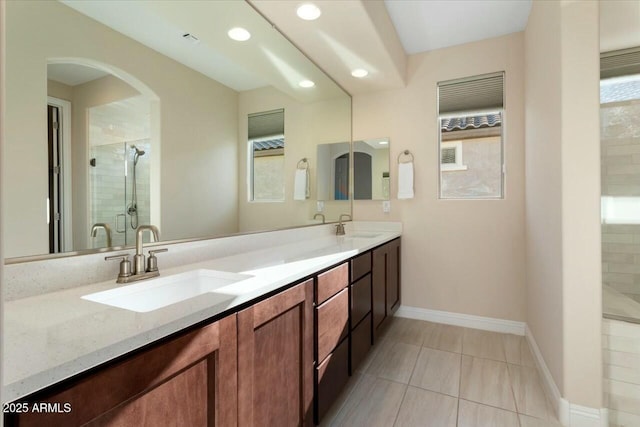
(360, 266)
(331, 377)
(332, 320)
(331, 282)
(360, 299)
(360, 342)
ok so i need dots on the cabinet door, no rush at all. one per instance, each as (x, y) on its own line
(190, 380)
(275, 365)
(360, 299)
(379, 278)
(393, 276)
(360, 343)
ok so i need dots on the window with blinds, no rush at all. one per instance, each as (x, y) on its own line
(620, 75)
(470, 122)
(266, 155)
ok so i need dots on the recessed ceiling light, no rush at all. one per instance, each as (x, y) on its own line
(239, 34)
(359, 73)
(309, 12)
(306, 83)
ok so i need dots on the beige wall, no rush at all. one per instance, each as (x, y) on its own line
(543, 189)
(562, 194)
(198, 127)
(59, 90)
(463, 256)
(581, 233)
(305, 126)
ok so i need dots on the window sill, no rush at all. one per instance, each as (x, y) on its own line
(450, 168)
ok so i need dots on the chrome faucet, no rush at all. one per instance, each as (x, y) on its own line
(107, 230)
(340, 226)
(321, 215)
(139, 272)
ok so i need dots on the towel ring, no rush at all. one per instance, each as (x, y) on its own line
(303, 163)
(405, 153)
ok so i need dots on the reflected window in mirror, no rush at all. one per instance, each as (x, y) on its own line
(471, 119)
(266, 150)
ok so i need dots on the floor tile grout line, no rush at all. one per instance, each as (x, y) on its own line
(459, 388)
(497, 407)
(513, 393)
(395, 420)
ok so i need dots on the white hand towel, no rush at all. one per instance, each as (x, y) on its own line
(301, 184)
(405, 180)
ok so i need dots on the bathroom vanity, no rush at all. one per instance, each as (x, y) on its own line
(276, 353)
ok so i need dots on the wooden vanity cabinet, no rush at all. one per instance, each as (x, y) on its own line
(275, 360)
(386, 282)
(280, 362)
(189, 380)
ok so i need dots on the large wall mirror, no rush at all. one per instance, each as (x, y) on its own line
(120, 114)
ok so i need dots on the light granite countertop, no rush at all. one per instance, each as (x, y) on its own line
(53, 336)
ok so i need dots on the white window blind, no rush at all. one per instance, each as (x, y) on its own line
(268, 123)
(484, 92)
(620, 63)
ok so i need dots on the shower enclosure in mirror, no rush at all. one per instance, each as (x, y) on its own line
(120, 194)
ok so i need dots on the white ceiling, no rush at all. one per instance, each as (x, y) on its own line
(434, 24)
(378, 35)
(73, 74)
(349, 34)
(266, 59)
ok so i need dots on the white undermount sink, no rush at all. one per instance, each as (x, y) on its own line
(152, 294)
(364, 235)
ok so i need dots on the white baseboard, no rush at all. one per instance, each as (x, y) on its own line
(465, 320)
(569, 414)
(582, 416)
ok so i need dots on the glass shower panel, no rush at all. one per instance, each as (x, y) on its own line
(117, 199)
(108, 190)
(620, 183)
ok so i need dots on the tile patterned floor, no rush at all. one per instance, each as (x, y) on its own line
(431, 375)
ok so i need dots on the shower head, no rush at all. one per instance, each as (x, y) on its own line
(139, 152)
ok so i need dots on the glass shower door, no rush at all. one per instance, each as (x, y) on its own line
(108, 193)
(120, 190)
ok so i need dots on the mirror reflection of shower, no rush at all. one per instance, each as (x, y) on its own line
(120, 158)
(132, 209)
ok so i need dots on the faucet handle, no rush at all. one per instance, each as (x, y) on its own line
(125, 266)
(152, 261)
